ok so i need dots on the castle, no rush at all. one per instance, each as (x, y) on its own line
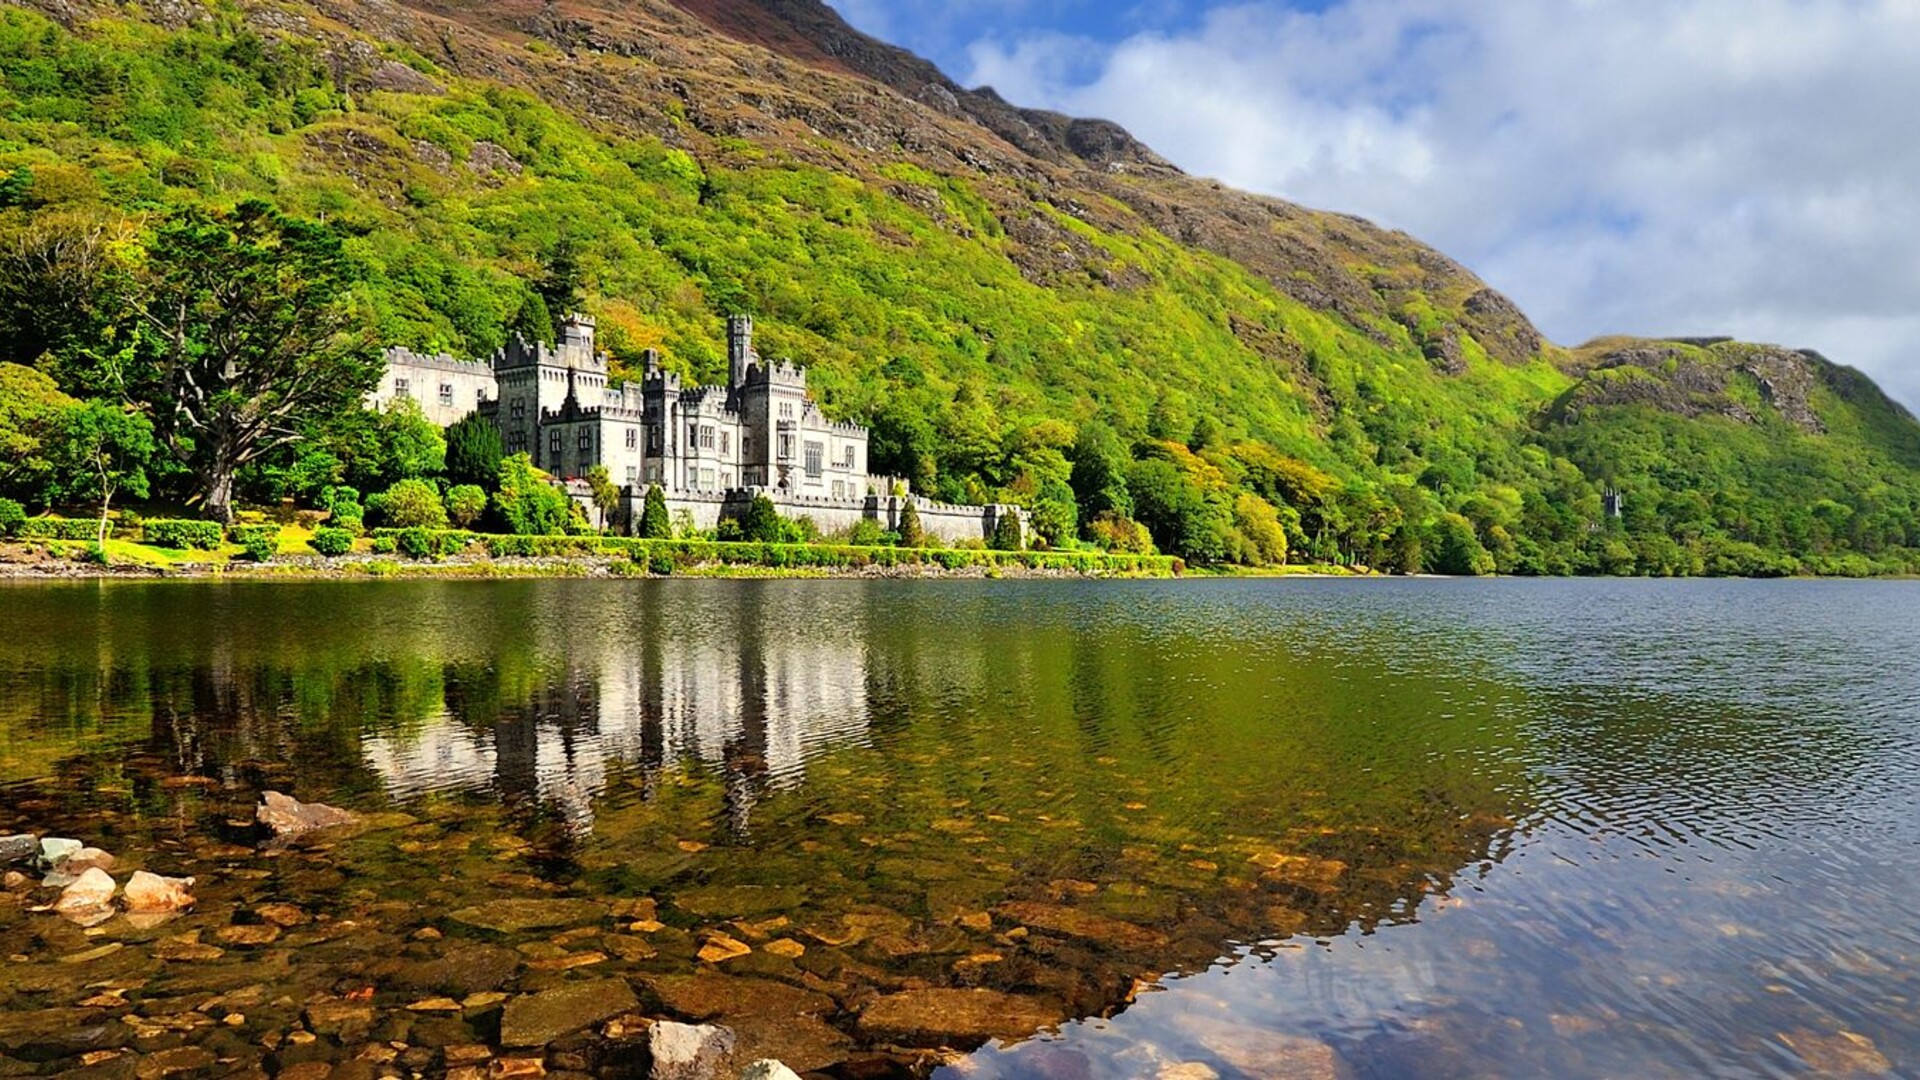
(711, 449)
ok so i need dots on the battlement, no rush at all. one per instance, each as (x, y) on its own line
(398, 356)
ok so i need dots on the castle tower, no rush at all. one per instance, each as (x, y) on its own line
(576, 331)
(739, 349)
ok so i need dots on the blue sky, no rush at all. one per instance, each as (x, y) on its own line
(1744, 167)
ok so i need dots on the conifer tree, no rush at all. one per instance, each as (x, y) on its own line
(654, 523)
(911, 534)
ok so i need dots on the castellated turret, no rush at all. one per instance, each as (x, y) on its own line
(576, 331)
(739, 349)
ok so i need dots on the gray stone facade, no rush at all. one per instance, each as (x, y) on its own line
(710, 448)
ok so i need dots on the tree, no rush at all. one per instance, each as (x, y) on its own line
(654, 524)
(103, 449)
(474, 451)
(1099, 476)
(1007, 533)
(761, 522)
(606, 494)
(412, 504)
(911, 533)
(465, 504)
(527, 501)
(233, 327)
(30, 408)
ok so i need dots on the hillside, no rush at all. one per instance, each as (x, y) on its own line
(1023, 305)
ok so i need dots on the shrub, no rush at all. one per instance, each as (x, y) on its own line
(761, 522)
(178, 533)
(414, 504)
(331, 541)
(911, 534)
(414, 543)
(465, 504)
(869, 533)
(46, 528)
(1007, 534)
(654, 524)
(474, 451)
(342, 504)
(529, 504)
(660, 565)
(383, 545)
(261, 542)
(11, 515)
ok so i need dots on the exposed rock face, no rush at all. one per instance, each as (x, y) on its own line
(958, 1018)
(1697, 377)
(538, 1019)
(288, 817)
(151, 894)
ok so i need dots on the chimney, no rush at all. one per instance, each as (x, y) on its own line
(739, 349)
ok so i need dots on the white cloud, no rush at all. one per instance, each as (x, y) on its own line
(1703, 166)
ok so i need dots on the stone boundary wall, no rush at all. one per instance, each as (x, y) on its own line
(951, 524)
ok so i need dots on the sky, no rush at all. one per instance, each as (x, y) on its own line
(1661, 167)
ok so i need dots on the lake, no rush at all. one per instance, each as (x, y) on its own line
(1231, 828)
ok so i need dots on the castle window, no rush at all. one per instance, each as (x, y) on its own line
(653, 439)
(446, 393)
(815, 457)
(706, 478)
(402, 388)
(786, 448)
(848, 456)
(839, 489)
(693, 436)
(586, 439)
(786, 410)
(518, 409)
(726, 439)
(553, 441)
(633, 438)
(706, 436)
(633, 475)
(479, 394)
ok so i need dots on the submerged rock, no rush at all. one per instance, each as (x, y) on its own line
(13, 849)
(518, 916)
(689, 1052)
(538, 1019)
(151, 894)
(768, 1069)
(89, 899)
(87, 857)
(1073, 922)
(287, 816)
(952, 1017)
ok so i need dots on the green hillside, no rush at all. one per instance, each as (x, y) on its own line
(1249, 386)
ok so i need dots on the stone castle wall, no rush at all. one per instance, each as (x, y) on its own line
(950, 524)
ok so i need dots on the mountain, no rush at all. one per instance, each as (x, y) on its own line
(1023, 305)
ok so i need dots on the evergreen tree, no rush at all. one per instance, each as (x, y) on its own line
(1007, 534)
(911, 534)
(654, 523)
(474, 451)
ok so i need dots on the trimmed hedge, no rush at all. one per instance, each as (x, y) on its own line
(682, 554)
(261, 542)
(46, 528)
(181, 533)
(421, 543)
(330, 541)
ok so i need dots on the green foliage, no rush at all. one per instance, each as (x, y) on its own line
(184, 534)
(869, 533)
(527, 502)
(30, 407)
(53, 528)
(413, 504)
(474, 451)
(606, 494)
(260, 542)
(1007, 533)
(465, 504)
(761, 523)
(11, 515)
(911, 533)
(654, 524)
(332, 542)
(343, 506)
(101, 450)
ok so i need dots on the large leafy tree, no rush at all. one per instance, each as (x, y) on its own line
(30, 406)
(237, 326)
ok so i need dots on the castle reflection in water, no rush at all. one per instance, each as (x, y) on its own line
(755, 705)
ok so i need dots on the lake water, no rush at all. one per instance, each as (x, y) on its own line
(1227, 828)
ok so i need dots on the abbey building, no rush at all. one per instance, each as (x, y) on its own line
(710, 448)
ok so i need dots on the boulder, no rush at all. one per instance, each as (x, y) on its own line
(958, 1018)
(151, 894)
(768, 1069)
(538, 1019)
(87, 857)
(89, 899)
(689, 1051)
(55, 850)
(14, 849)
(289, 817)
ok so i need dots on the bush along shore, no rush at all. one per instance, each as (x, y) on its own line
(55, 547)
